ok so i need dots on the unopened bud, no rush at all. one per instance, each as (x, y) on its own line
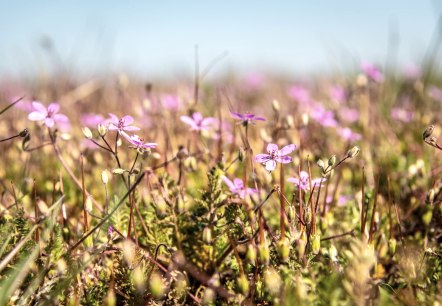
(207, 235)
(284, 249)
(241, 155)
(316, 243)
(275, 106)
(430, 196)
(104, 177)
(290, 121)
(87, 132)
(24, 133)
(190, 164)
(353, 152)
(251, 253)
(332, 161)
(243, 284)
(392, 243)
(156, 285)
(102, 130)
(320, 164)
(428, 131)
(427, 216)
(264, 254)
(182, 152)
(88, 204)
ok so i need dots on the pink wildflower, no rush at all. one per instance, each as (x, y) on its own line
(123, 124)
(197, 122)
(275, 155)
(237, 187)
(372, 72)
(49, 116)
(304, 183)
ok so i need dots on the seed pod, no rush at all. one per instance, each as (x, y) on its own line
(241, 155)
(251, 253)
(430, 196)
(104, 177)
(275, 106)
(392, 246)
(24, 133)
(207, 235)
(320, 164)
(264, 254)
(156, 284)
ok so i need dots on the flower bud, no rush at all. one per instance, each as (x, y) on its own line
(241, 155)
(283, 249)
(24, 133)
(251, 254)
(87, 132)
(353, 152)
(102, 130)
(430, 196)
(427, 216)
(182, 152)
(290, 122)
(156, 285)
(332, 161)
(88, 204)
(190, 164)
(207, 235)
(104, 177)
(316, 243)
(275, 106)
(392, 243)
(243, 284)
(320, 164)
(264, 254)
(428, 131)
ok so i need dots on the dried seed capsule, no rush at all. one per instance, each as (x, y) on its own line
(428, 131)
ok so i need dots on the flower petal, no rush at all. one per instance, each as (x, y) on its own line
(228, 182)
(53, 108)
(284, 159)
(131, 128)
(197, 117)
(271, 147)
(262, 158)
(270, 165)
(128, 120)
(39, 107)
(239, 184)
(237, 115)
(36, 116)
(49, 122)
(60, 118)
(287, 149)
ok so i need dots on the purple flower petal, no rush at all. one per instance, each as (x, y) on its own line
(53, 108)
(270, 165)
(262, 158)
(36, 116)
(49, 122)
(228, 182)
(271, 147)
(128, 120)
(39, 107)
(284, 159)
(237, 115)
(287, 149)
(239, 184)
(131, 128)
(61, 118)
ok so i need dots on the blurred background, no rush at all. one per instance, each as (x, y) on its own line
(158, 38)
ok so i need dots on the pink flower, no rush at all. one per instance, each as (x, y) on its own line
(347, 134)
(123, 124)
(300, 94)
(349, 114)
(372, 72)
(138, 143)
(237, 187)
(49, 116)
(304, 183)
(435, 93)
(246, 118)
(338, 94)
(275, 155)
(324, 117)
(91, 120)
(171, 102)
(197, 122)
(401, 114)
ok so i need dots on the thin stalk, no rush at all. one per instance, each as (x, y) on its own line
(86, 225)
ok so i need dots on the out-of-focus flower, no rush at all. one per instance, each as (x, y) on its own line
(338, 94)
(138, 143)
(349, 114)
(304, 183)
(324, 117)
(49, 116)
(373, 72)
(401, 114)
(254, 80)
(223, 129)
(412, 71)
(197, 122)
(121, 125)
(347, 134)
(435, 93)
(171, 102)
(237, 187)
(246, 118)
(91, 120)
(275, 155)
(300, 94)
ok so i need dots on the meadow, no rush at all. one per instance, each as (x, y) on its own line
(244, 190)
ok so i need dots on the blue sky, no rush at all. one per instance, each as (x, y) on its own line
(158, 37)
